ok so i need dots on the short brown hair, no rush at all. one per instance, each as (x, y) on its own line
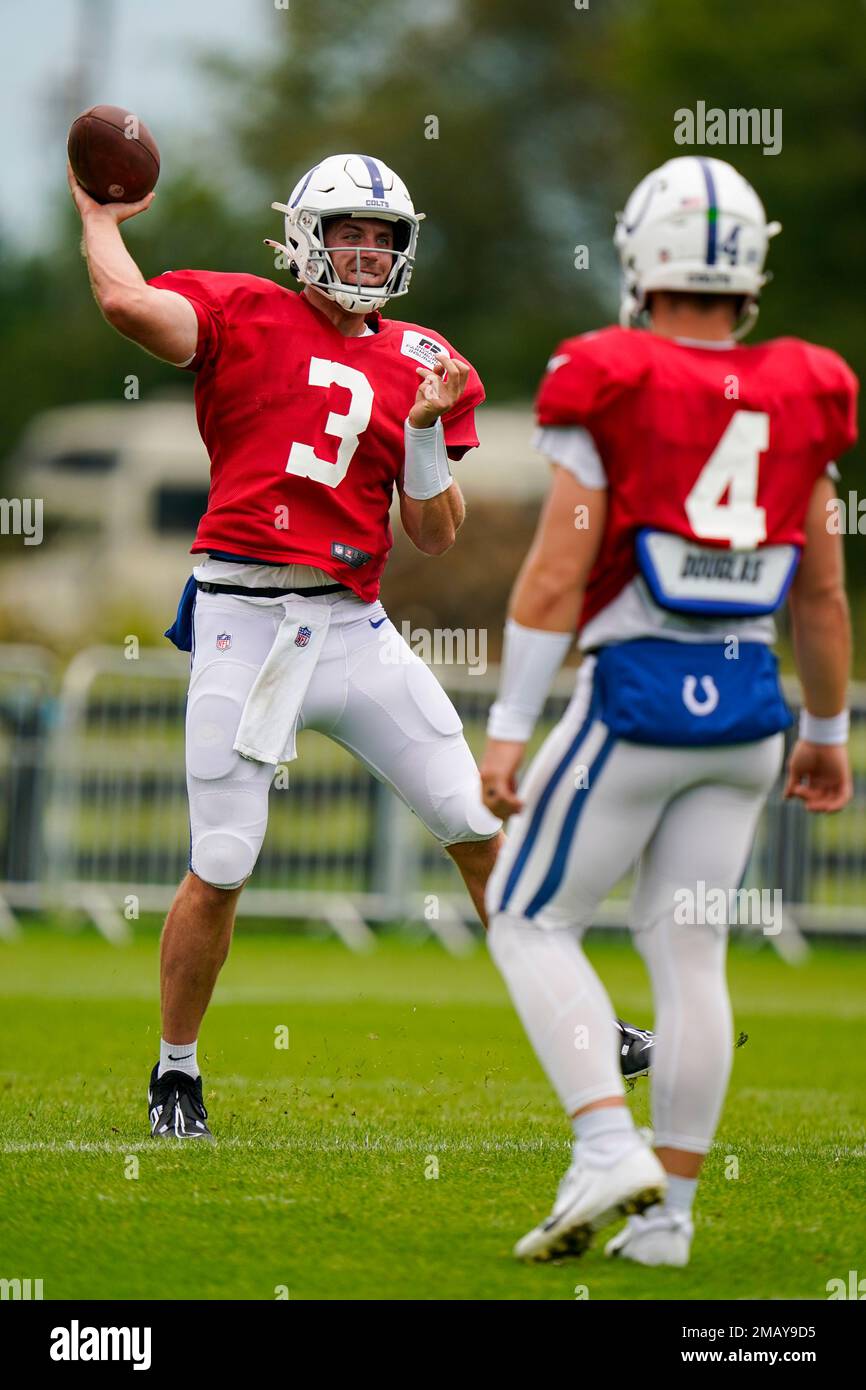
(702, 302)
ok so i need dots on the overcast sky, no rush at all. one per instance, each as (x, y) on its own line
(140, 55)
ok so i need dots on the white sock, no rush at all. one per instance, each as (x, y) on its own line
(178, 1057)
(604, 1135)
(680, 1194)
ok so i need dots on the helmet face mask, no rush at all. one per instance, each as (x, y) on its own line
(349, 186)
(693, 225)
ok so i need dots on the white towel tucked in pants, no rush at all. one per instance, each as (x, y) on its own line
(266, 733)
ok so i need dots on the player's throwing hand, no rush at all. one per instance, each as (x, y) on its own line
(88, 207)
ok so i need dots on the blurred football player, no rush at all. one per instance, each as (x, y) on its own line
(312, 407)
(690, 492)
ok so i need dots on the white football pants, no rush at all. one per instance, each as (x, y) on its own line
(594, 807)
(369, 692)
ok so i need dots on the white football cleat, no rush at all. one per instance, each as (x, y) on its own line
(590, 1198)
(658, 1237)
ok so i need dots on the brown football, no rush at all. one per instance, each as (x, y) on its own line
(113, 155)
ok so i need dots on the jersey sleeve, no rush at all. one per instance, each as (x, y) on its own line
(837, 388)
(573, 448)
(586, 375)
(458, 424)
(208, 298)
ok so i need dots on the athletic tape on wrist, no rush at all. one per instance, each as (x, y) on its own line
(531, 658)
(833, 730)
(426, 473)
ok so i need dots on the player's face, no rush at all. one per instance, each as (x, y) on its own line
(374, 236)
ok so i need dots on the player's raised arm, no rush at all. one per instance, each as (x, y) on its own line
(162, 322)
(542, 624)
(819, 772)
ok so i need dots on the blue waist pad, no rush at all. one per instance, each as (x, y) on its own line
(690, 695)
(180, 632)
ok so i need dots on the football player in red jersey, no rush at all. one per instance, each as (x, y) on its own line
(691, 483)
(312, 407)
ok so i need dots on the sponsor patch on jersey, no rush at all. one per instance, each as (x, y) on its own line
(349, 554)
(223, 641)
(302, 637)
(422, 348)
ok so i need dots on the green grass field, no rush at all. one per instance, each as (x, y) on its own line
(398, 1063)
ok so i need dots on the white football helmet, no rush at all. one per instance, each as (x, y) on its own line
(353, 185)
(694, 224)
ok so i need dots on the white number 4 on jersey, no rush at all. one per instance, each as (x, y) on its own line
(733, 468)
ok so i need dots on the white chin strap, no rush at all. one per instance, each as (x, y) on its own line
(348, 298)
(748, 320)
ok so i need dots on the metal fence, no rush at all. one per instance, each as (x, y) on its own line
(93, 816)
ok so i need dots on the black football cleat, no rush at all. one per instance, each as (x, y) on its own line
(175, 1106)
(635, 1050)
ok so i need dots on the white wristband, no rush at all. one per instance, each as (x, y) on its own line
(530, 660)
(426, 471)
(832, 730)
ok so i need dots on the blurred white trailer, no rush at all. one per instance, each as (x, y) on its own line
(123, 487)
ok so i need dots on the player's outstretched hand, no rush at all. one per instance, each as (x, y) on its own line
(819, 774)
(441, 387)
(498, 772)
(87, 206)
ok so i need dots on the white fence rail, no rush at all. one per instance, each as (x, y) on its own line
(93, 815)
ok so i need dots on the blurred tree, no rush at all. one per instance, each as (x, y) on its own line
(490, 113)
(492, 117)
(55, 348)
(809, 63)
(519, 126)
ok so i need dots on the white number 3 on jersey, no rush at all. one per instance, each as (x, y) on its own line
(733, 468)
(348, 428)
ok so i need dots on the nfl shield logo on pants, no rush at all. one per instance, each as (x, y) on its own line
(303, 637)
(223, 641)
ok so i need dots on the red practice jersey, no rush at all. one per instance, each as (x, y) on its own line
(304, 426)
(685, 432)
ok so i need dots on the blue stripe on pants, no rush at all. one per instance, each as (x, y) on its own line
(554, 876)
(543, 801)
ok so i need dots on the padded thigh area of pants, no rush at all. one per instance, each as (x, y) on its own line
(431, 700)
(216, 700)
(389, 673)
(400, 722)
(228, 794)
(455, 791)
